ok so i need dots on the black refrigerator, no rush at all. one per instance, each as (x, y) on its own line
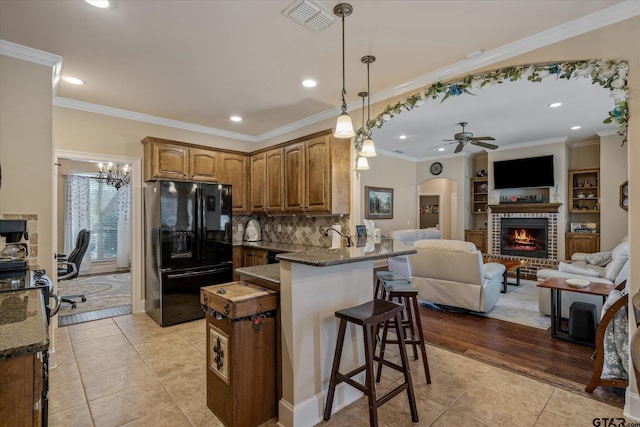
(188, 244)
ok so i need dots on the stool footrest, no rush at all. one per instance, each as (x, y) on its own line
(390, 395)
(353, 383)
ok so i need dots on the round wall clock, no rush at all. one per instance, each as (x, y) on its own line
(436, 168)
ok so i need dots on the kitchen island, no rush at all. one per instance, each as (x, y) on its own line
(313, 285)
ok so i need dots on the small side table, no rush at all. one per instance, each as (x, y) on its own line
(557, 285)
(510, 265)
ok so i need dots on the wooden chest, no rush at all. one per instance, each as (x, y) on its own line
(241, 352)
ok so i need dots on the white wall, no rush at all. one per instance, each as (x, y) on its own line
(391, 172)
(613, 172)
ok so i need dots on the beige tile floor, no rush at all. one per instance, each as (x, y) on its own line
(129, 371)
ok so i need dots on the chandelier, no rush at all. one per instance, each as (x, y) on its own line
(117, 178)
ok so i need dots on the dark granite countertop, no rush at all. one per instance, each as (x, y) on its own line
(323, 257)
(23, 323)
(265, 275)
(274, 246)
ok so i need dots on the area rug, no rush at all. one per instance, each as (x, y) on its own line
(102, 292)
(520, 305)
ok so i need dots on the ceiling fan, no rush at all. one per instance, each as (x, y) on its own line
(463, 137)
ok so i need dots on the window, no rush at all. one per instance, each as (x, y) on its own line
(103, 217)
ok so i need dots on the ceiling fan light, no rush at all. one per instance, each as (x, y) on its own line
(368, 148)
(362, 164)
(344, 127)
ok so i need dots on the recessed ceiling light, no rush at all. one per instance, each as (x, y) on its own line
(102, 4)
(309, 83)
(555, 104)
(73, 80)
(402, 137)
(441, 149)
(235, 118)
(575, 127)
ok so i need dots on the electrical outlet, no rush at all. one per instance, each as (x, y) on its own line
(266, 227)
(240, 227)
(408, 222)
(279, 228)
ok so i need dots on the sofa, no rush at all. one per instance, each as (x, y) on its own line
(409, 236)
(603, 267)
(451, 273)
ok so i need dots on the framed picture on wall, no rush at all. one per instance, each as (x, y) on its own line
(378, 203)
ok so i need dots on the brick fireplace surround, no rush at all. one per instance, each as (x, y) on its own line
(526, 210)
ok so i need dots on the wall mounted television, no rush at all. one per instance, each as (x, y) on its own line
(524, 173)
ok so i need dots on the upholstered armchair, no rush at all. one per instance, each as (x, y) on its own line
(451, 273)
(400, 264)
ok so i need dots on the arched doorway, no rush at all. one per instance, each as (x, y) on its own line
(438, 204)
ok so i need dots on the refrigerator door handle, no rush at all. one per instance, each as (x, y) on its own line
(195, 273)
(203, 223)
(198, 224)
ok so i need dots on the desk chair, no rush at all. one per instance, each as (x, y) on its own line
(69, 266)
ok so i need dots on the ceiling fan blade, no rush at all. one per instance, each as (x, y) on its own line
(459, 147)
(485, 138)
(484, 144)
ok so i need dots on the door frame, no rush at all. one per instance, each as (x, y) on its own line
(137, 302)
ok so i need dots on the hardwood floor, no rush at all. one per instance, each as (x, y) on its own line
(529, 351)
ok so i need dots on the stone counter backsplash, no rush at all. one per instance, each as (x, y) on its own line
(297, 229)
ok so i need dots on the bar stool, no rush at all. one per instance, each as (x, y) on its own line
(402, 291)
(369, 315)
(385, 275)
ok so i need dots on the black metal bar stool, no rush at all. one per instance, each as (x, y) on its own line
(403, 292)
(385, 275)
(369, 315)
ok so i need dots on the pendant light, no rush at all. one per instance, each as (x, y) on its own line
(344, 127)
(362, 163)
(368, 148)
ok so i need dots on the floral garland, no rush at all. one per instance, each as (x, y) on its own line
(610, 74)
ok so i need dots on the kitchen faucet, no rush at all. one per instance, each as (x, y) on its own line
(326, 233)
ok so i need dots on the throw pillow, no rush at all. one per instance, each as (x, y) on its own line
(570, 268)
(599, 259)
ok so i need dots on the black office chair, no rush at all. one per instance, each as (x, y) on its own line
(69, 266)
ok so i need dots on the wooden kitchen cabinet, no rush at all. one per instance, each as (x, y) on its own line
(21, 390)
(234, 170)
(267, 181)
(316, 171)
(478, 238)
(238, 261)
(164, 159)
(253, 256)
(581, 242)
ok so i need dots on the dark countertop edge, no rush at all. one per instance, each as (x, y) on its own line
(24, 350)
(296, 257)
(261, 272)
(281, 247)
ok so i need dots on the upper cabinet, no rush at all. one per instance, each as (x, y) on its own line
(316, 175)
(164, 159)
(584, 190)
(307, 175)
(234, 170)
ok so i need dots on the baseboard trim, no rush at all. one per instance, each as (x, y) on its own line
(632, 405)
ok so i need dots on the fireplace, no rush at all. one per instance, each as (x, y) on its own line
(524, 237)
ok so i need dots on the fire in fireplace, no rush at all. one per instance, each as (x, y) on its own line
(524, 237)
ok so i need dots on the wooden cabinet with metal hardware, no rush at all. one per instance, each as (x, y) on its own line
(581, 242)
(316, 171)
(234, 170)
(164, 159)
(478, 238)
(238, 261)
(267, 181)
(254, 256)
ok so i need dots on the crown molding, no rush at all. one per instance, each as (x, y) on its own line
(36, 56)
(132, 115)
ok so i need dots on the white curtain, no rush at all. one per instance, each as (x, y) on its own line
(124, 227)
(76, 215)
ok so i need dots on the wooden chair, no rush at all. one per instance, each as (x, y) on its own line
(599, 353)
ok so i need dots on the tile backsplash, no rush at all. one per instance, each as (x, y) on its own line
(297, 229)
(32, 231)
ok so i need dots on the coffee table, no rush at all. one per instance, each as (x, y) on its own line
(557, 285)
(510, 265)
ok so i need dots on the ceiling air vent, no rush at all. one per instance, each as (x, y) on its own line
(310, 14)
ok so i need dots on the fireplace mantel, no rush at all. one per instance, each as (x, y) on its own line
(524, 207)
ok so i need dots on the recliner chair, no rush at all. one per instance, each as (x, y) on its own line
(69, 266)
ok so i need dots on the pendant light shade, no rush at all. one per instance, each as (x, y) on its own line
(344, 127)
(363, 164)
(368, 148)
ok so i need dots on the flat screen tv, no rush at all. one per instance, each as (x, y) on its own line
(524, 173)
